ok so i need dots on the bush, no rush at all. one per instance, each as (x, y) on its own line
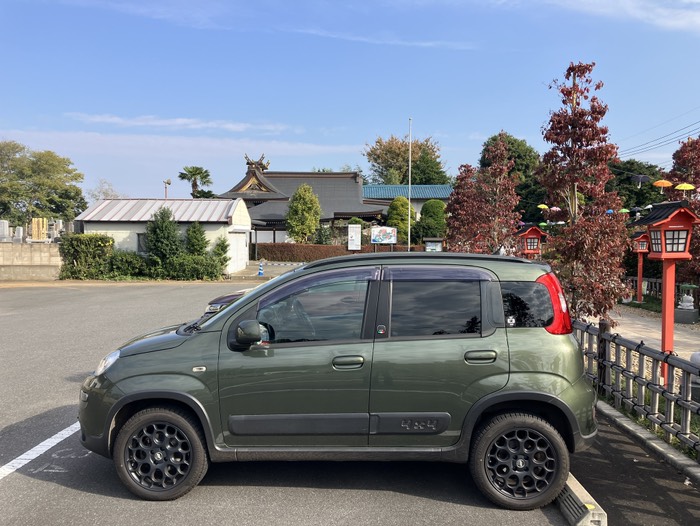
(324, 236)
(125, 263)
(186, 266)
(85, 256)
(298, 252)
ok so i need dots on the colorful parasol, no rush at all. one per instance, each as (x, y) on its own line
(542, 207)
(685, 187)
(640, 178)
(661, 184)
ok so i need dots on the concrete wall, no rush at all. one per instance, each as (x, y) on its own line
(29, 261)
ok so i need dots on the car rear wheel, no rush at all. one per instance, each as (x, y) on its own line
(159, 454)
(519, 461)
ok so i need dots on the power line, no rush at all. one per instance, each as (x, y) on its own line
(642, 149)
(661, 124)
(659, 138)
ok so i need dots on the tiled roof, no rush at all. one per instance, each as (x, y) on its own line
(418, 191)
(661, 212)
(142, 210)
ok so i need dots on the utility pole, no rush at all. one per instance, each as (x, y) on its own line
(409, 182)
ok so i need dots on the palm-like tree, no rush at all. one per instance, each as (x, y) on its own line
(197, 177)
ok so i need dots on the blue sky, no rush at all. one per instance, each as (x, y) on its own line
(134, 90)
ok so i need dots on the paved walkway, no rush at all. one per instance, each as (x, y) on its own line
(640, 325)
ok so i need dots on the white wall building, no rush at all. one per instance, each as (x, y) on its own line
(125, 220)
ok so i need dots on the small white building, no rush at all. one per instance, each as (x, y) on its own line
(125, 220)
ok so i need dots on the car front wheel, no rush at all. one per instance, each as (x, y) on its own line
(519, 461)
(159, 454)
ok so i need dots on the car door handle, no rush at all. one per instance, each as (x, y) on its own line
(348, 362)
(480, 356)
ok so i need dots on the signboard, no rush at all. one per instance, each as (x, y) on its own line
(354, 237)
(384, 235)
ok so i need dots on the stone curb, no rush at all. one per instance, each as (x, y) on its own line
(646, 438)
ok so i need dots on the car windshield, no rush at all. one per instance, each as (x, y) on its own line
(205, 320)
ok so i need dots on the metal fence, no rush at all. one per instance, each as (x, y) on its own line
(629, 372)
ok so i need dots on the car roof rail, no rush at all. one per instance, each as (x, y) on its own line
(425, 256)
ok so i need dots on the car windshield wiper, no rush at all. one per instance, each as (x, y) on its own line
(192, 327)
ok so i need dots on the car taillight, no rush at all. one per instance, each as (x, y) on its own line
(562, 321)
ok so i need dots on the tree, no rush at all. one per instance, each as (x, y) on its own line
(397, 216)
(525, 162)
(686, 169)
(304, 214)
(575, 171)
(196, 241)
(428, 170)
(163, 241)
(103, 190)
(388, 159)
(220, 251)
(37, 184)
(481, 211)
(625, 181)
(197, 177)
(432, 221)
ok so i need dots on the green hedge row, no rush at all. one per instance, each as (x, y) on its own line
(85, 256)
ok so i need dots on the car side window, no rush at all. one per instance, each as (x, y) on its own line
(526, 304)
(432, 308)
(328, 306)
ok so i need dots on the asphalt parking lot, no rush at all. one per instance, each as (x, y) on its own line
(54, 334)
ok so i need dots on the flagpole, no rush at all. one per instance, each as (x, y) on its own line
(409, 183)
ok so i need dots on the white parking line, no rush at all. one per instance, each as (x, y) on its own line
(36, 451)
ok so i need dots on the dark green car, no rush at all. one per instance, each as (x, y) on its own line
(421, 356)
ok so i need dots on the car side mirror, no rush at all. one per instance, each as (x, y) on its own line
(248, 332)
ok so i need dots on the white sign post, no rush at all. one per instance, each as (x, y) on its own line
(354, 237)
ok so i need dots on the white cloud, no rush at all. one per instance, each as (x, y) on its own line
(179, 123)
(166, 146)
(201, 14)
(669, 14)
(389, 41)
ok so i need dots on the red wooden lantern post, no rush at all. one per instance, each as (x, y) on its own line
(640, 246)
(670, 226)
(530, 241)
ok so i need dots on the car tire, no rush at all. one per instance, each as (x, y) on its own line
(159, 454)
(519, 461)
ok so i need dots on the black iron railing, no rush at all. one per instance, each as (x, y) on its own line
(629, 373)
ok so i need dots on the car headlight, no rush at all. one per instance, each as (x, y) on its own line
(106, 362)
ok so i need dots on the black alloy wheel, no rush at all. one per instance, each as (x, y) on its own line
(519, 461)
(159, 454)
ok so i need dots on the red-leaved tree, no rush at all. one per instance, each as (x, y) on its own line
(480, 210)
(588, 251)
(686, 169)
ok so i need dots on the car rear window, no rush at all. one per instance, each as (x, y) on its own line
(526, 304)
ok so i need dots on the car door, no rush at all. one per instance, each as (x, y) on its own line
(440, 346)
(308, 384)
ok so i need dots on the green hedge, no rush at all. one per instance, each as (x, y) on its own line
(193, 267)
(85, 256)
